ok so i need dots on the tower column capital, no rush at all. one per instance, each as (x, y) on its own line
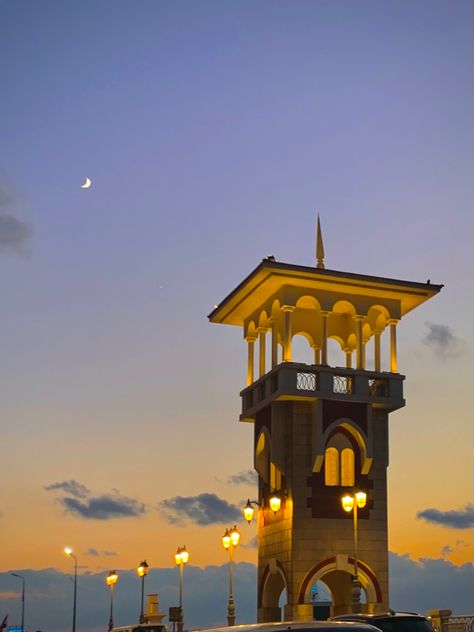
(393, 321)
(359, 318)
(288, 308)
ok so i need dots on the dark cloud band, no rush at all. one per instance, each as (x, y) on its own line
(203, 510)
(455, 519)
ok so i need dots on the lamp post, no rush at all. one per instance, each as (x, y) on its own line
(70, 553)
(351, 503)
(230, 540)
(111, 580)
(22, 600)
(181, 558)
(142, 572)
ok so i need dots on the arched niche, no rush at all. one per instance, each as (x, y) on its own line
(262, 455)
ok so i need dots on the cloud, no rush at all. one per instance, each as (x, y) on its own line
(95, 553)
(71, 487)
(447, 550)
(414, 585)
(442, 341)
(105, 507)
(455, 518)
(14, 233)
(428, 584)
(203, 510)
(246, 477)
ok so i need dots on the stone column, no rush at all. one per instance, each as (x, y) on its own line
(360, 343)
(348, 352)
(261, 358)
(317, 354)
(324, 336)
(377, 350)
(250, 358)
(274, 342)
(287, 334)
(393, 345)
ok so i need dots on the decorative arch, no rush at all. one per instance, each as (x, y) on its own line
(272, 584)
(378, 316)
(343, 563)
(344, 307)
(263, 320)
(361, 439)
(308, 302)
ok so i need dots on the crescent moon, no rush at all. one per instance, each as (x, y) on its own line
(87, 184)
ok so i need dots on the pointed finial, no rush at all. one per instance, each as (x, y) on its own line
(319, 247)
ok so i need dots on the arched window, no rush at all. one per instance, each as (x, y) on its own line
(331, 466)
(347, 467)
(339, 461)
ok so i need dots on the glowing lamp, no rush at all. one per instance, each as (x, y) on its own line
(275, 503)
(361, 499)
(248, 512)
(177, 557)
(226, 540)
(111, 578)
(142, 570)
(68, 550)
(235, 536)
(184, 555)
(347, 503)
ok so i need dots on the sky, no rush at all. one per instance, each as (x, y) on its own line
(213, 133)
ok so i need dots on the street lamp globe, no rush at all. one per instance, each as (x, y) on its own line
(347, 502)
(234, 536)
(226, 539)
(111, 578)
(275, 503)
(361, 499)
(248, 511)
(142, 570)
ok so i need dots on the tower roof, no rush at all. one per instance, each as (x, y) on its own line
(273, 278)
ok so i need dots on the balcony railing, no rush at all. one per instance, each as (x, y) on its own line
(301, 381)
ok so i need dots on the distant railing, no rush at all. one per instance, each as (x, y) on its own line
(461, 623)
(307, 381)
(342, 384)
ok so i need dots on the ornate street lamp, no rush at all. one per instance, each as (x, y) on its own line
(181, 558)
(230, 540)
(142, 571)
(22, 600)
(69, 551)
(352, 503)
(111, 580)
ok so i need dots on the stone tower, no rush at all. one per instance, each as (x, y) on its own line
(320, 431)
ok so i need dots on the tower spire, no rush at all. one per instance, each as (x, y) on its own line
(319, 247)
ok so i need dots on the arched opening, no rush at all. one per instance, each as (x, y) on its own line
(337, 573)
(301, 350)
(332, 595)
(273, 593)
(336, 356)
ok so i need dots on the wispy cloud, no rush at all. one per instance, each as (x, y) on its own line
(79, 502)
(443, 342)
(246, 477)
(72, 487)
(14, 233)
(455, 518)
(96, 553)
(203, 509)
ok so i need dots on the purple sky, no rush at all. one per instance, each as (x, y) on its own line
(213, 132)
